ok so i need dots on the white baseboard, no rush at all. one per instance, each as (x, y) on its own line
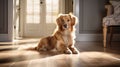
(5, 38)
(95, 37)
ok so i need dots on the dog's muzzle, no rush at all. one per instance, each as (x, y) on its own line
(65, 25)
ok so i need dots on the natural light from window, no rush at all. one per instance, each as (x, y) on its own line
(33, 11)
(34, 8)
(52, 10)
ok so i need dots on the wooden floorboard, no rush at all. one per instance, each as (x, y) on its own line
(92, 54)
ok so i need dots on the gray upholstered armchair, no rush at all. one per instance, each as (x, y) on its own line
(111, 20)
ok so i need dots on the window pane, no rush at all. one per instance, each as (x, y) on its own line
(33, 11)
(52, 9)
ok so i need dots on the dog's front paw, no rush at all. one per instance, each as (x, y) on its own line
(68, 52)
(75, 52)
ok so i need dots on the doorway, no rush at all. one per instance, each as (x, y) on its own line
(36, 18)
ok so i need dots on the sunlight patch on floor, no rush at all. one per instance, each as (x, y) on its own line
(72, 60)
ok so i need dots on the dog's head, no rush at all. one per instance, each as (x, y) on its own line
(66, 21)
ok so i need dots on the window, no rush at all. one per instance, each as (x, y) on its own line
(52, 10)
(33, 11)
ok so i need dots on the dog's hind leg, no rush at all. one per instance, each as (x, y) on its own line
(41, 48)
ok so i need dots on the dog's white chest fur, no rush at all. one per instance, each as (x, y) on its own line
(67, 37)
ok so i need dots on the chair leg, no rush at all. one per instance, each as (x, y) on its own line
(104, 35)
(111, 35)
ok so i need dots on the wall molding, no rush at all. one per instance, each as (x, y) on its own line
(95, 37)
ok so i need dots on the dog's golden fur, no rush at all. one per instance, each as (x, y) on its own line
(63, 38)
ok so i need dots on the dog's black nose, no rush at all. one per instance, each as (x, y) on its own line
(65, 25)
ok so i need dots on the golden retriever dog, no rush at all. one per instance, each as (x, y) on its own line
(63, 38)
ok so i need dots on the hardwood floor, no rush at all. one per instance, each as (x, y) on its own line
(92, 54)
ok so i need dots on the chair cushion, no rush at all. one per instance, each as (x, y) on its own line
(113, 19)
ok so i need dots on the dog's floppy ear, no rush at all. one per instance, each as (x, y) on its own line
(73, 19)
(59, 19)
(59, 22)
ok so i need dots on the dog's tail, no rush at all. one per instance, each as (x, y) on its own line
(31, 48)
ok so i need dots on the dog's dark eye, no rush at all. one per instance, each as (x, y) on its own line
(68, 20)
(62, 20)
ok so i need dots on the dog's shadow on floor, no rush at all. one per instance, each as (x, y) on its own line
(26, 55)
(48, 53)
